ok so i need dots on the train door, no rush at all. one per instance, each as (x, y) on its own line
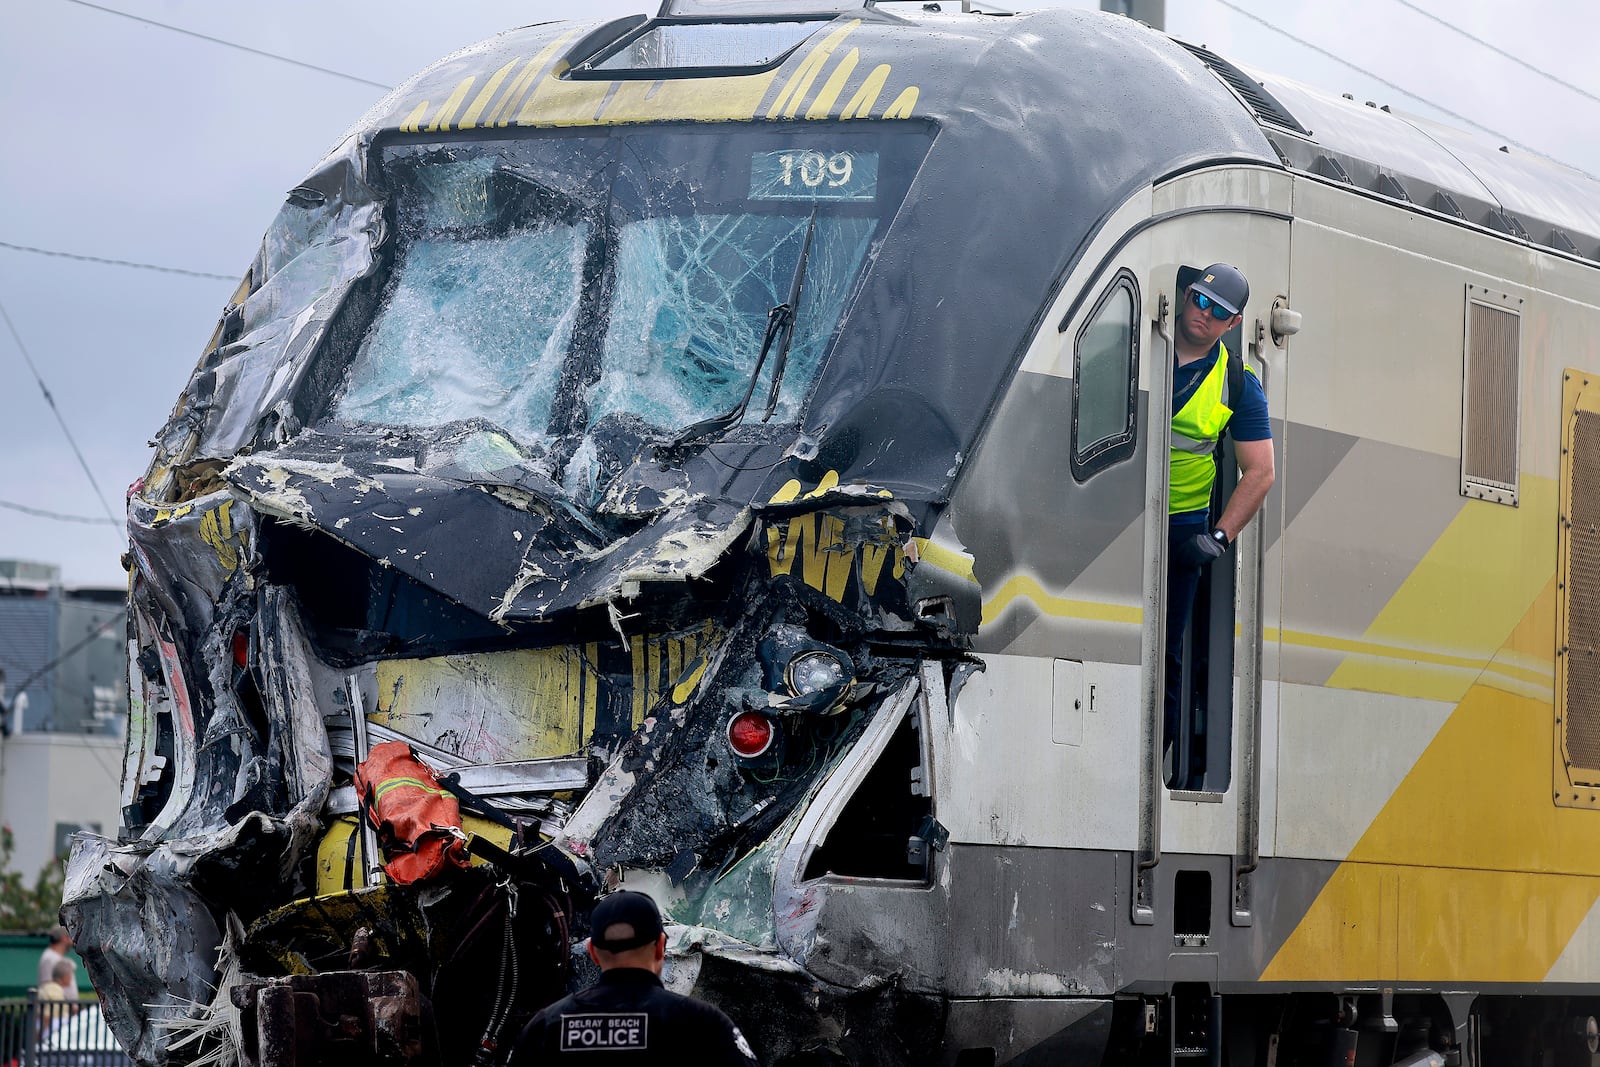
(1202, 758)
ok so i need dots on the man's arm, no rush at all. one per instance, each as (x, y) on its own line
(1256, 475)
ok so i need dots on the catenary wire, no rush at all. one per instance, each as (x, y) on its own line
(48, 399)
(1252, 16)
(43, 513)
(231, 44)
(115, 262)
(94, 633)
(1497, 50)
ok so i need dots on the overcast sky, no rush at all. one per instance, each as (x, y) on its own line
(130, 141)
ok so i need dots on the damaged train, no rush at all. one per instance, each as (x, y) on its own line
(729, 450)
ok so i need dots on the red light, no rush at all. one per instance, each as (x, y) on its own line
(241, 648)
(750, 734)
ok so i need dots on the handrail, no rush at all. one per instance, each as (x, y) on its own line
(1152, 667)
(1252, 553)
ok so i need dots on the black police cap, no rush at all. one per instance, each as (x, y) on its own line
(626, 908)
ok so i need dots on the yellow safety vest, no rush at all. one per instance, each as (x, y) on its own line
(1195, 429)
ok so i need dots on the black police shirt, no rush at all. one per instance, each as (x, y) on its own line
(628, 1017)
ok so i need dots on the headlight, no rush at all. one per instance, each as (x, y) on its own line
(815, 671)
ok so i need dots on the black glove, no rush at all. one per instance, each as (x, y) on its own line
(1203, 549)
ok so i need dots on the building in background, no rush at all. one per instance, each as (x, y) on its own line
(63, 703)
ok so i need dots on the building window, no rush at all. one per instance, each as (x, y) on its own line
(1491, 390)
(1105, 380)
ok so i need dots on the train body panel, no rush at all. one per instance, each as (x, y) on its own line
(737, 462)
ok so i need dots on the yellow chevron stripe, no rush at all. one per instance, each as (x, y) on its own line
(822, 106)
(470, 119)
(860, 105)
(447, 110)
(1027, 587)
(1469, 872)
(1465, 595)
(512, 100)
(799, 83)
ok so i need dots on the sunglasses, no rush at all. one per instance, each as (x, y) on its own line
(1205, 303)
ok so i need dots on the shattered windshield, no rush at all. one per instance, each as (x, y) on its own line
(558, 285)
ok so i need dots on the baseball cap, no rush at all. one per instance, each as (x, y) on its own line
(626, 908)
(1224, 284)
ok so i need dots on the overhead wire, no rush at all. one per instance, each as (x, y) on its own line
(44, 513)
(115, 262)
(1497, 50)
(51, 400)
(232, 44)
(1252, 16)
(94, 633)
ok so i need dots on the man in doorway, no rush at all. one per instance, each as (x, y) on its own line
(629, 1017)
(1208, 400)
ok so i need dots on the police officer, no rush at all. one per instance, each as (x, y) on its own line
(1208, 400)
(628, 1017)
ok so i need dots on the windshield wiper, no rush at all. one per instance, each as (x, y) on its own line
(780, 320)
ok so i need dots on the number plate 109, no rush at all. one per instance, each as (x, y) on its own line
(808, 174)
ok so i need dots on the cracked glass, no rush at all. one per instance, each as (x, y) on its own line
(586, 294)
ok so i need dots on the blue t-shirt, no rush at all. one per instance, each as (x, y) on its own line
(1250, 421)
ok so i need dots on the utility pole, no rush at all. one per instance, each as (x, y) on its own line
(1151, 12)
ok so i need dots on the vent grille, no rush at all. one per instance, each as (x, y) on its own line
(1582, 690)
(1263, 103)
(1490, 405)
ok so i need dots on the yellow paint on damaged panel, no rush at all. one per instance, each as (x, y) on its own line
(903, 104)
(685, 689)
(826, 484)
(520, 704)
(789, 490)
(946, 559)
(799, 83)
(861, 104)
(1465, 595)
(822, 106)
(481, 101)
(447, 110)
(216, 530)
(166, 515)
(641, 689)
(1494, 878)
(872, 559)
(652, 674)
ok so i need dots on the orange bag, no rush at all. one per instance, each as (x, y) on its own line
(418, 821)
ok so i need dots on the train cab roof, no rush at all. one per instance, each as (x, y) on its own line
(1004, 143)
(1470, 177)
